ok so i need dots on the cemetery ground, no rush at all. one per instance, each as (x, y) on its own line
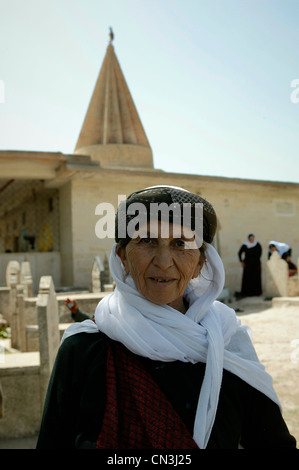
(275, 334)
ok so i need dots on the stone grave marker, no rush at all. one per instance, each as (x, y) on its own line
(48, 323)
(18, 322)
(13, 273)
(26, 279)
(96, 274)
(277, 274)
(13, 277)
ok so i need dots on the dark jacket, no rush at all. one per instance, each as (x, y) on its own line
(75, 402)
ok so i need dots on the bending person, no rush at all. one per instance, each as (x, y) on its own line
(283, 249)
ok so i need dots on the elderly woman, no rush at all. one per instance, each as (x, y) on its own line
(163, 365)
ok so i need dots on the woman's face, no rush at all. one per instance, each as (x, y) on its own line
(162, 266)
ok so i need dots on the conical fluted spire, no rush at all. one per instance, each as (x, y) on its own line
(112, 120)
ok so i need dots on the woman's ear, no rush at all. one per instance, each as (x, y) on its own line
(197, 270)
(199, 266)
(121, 252)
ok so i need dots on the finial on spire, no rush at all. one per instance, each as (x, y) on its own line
(111, 35)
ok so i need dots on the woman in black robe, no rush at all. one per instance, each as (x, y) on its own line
(249, 256)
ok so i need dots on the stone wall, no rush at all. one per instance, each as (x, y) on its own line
(269, 210)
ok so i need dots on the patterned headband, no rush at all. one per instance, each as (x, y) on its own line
(171, 195)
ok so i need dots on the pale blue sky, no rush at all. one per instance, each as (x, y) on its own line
(211, 79)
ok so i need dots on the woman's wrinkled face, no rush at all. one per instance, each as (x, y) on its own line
(161, 265)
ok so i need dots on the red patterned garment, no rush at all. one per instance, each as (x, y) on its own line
(137, 413)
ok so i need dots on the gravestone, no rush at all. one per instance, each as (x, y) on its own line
(13, 278)
(106, 278)
(48, 323)
(26, 279)
(97, 269)
(13, 273)
(18, 322)
(277, 274)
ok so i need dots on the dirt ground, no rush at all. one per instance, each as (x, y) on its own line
(275, 335)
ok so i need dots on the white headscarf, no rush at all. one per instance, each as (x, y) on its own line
(281, 247)
(248, 243)
(208, 332)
